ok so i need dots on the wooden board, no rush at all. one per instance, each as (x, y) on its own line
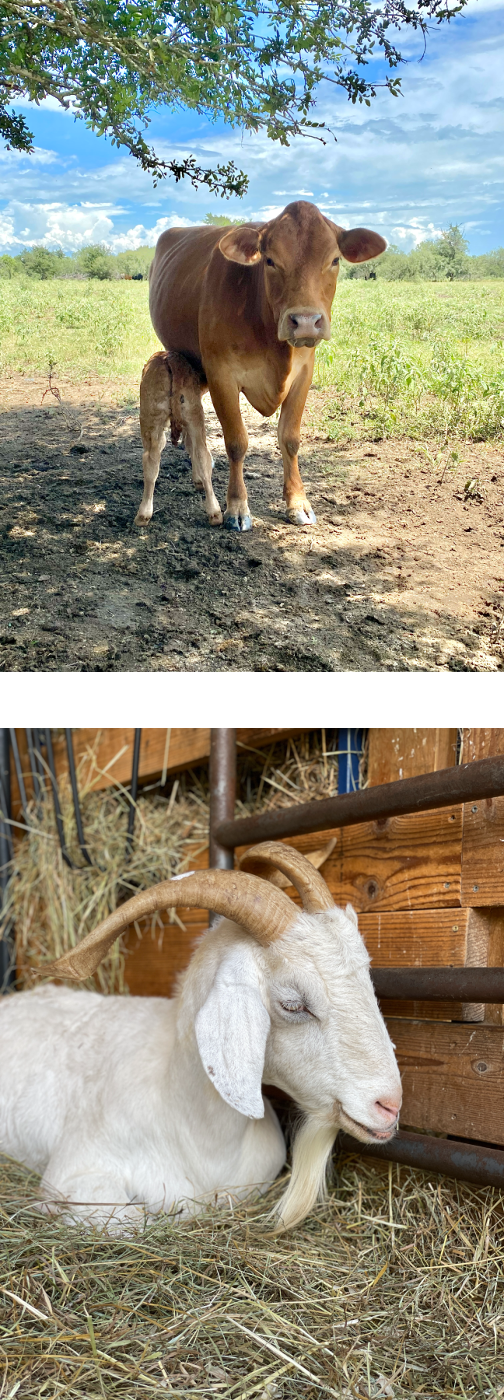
(483, 852)
(404, 753)
(453, 1078)
(410, 862)
(481, 743)
(434, 938)
(113, 750)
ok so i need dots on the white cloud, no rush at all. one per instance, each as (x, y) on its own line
(134, 237)
(71, 227)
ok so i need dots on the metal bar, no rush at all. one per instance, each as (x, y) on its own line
(222, 798)
(470, 984)
(222, 794)
(7, 942)
(37, 791)
(57, 805)
(470, 782)
(19, 774)
(133, 792)
(75, 795)
(463, 1160)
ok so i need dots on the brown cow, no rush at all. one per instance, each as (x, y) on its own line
(245, 309)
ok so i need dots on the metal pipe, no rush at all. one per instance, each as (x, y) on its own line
(7, 942)
(469, 782)
(222, 798)
(469, 984)
(463, 1160)
(19, 774)
(133, 793)
(222, 794)
(75, 795)
(56, 802)
(37, 790)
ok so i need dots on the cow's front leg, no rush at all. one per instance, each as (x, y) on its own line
(299, 510)
(226, 401)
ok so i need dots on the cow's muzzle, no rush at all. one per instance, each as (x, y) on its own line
(302, 326)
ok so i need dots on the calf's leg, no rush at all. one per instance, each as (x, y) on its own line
(226, 401)
(299, 510)
(155, 399)
(187, 414)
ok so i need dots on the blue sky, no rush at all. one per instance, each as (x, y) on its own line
(407, 166)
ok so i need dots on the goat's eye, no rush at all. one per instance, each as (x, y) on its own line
(269, 262)
(296, 1007)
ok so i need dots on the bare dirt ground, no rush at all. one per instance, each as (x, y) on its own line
(401, 573)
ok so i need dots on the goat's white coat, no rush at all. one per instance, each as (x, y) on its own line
(132, 1104)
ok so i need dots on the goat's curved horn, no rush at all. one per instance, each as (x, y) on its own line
(273, 855)
(257, 906)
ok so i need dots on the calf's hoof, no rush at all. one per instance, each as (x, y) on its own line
(215, 518)
(142, 519)
(302, 515)
(237, 522)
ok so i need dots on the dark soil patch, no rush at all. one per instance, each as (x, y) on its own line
(400, 573)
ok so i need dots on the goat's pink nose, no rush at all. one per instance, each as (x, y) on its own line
(388, 1107)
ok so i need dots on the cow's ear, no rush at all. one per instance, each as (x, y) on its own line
(241, 245)
(359, 244)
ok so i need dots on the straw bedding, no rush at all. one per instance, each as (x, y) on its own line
(392, 1288)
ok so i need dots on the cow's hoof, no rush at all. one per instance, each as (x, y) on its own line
(142, 519)
(237, 522)
(303, 516)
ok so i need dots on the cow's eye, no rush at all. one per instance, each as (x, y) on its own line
(269, 262)
(335, 262)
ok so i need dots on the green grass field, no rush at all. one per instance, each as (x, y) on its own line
(417, 359)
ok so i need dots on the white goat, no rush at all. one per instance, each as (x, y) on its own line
(128, 1105)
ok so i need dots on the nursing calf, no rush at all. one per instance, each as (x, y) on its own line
(243, 311)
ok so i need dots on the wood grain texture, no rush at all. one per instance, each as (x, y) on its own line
(483, 852)
(481, 743)
(453, 1078)
(431, 938)
(114, 749)
(410, 862)
(405, 753)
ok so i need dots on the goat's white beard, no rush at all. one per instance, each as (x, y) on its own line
(311, 1150)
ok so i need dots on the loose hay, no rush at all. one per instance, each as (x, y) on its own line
(392, 1289)
(53, 907)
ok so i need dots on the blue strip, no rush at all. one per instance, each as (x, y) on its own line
(350, 746)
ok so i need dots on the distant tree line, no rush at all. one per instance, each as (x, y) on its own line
(444, 259)
(437, 260)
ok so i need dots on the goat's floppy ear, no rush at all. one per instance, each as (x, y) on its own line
(231, 1030)
(350, 913)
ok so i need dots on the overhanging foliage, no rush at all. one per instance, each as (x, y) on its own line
(257, 64)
